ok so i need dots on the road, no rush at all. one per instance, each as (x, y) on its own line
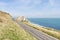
(39, 35)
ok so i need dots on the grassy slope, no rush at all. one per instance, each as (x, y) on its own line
(49, 31)
(13, 31)
(10, 30)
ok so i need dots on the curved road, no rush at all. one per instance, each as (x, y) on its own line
(39, 35)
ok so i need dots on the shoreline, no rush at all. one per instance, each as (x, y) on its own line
(37, 25)
(50, 31)
(49, 28)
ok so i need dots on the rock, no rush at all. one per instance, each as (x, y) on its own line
(22, 19)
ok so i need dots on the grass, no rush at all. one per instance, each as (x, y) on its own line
(49, 31)
(10, 30)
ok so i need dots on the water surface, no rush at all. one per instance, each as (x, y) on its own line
(48, 22)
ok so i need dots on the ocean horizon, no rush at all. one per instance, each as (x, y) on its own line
(47, 22)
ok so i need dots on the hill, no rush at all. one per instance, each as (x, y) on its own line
(10, 30)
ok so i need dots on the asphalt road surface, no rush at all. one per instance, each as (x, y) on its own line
(39, 35)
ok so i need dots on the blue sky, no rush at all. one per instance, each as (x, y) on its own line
(32, 8)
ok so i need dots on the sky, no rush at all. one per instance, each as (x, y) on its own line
(32, 8)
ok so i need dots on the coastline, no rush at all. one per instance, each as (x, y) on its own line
(47, 22)
(50, 31)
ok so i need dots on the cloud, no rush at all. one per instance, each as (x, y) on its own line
(40, 8)
(2, 4)
(52, 2)
(25, 1)
(26, 5)
(29, 2)
(37, 1)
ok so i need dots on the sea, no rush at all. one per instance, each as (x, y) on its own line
(47, 22)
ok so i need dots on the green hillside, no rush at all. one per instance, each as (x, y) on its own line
(10, 30)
